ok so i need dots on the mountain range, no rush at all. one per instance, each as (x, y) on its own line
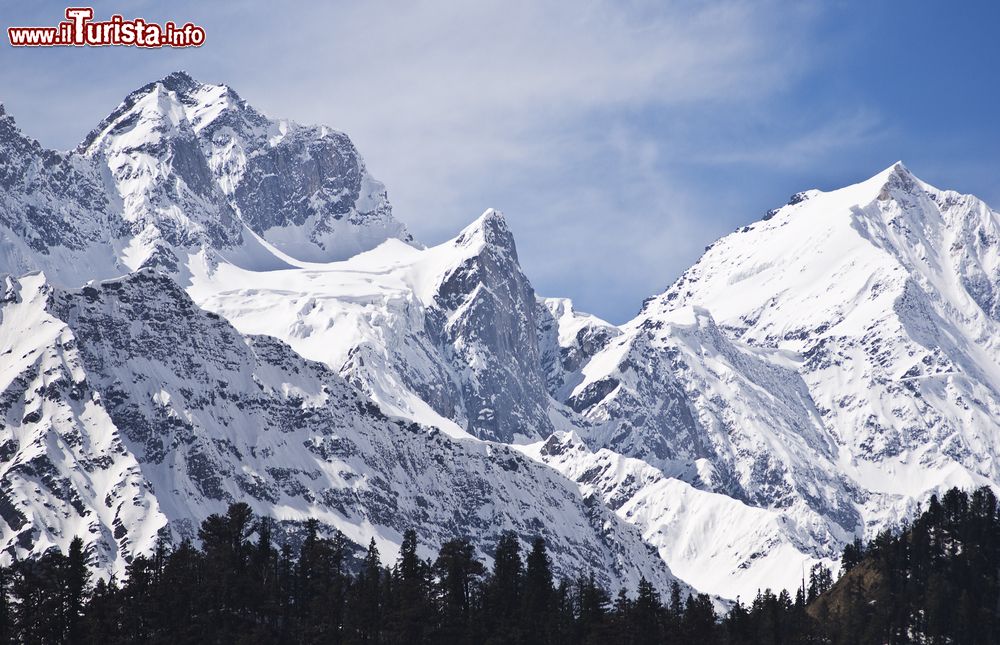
(201, 304)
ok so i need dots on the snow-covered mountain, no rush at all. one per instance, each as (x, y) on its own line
(836, 361)
(445, 335)
(729, 547)
(204, 304)
(182, 166)
(129, 412)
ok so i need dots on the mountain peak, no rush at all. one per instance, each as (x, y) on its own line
(490, 229)
(172, 96)
(179, 81)
(179, 76)
(897, 168)
(491, 218)
(492, 223)
(897, 177)
(896, 172)
(899, 171)
(9, 129)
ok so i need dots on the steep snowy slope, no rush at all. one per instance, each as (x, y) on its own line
(129, 412)
(445, 335)
(729, 548)
(853, 369)
(886, 291)
(64, 469)
(567, 339)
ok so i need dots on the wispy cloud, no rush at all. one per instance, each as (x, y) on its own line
(580, 119)
(445, 97)
(800, 144)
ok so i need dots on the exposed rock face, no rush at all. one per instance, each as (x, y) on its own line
(484, 312)
(568, 339)
(52, 206)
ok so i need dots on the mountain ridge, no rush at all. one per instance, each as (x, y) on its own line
(813, 377)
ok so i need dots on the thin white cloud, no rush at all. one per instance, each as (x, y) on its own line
(443, 97)
(570, 116)
(795, 147)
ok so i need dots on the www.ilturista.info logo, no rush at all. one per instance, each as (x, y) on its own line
(79, 30)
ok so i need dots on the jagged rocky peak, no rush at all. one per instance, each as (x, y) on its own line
(47, 202)
(482, 254)
(305, 189)
(17, 149)
(192, 166)
(898, 177)
(12, 138)
(484, 307)
(180, 82)
(490, 229)
(176, 97)
(8, 127)
(567, 340)
(167, 190)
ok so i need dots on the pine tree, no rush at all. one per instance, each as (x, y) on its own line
(503, 591)
(676, 604)
(6, 615)
(538, 599)
(410, 605)
(38, 599)
(185, 583)
(309, 582)
(699, 623)
(853, 553)
(225, 543)
(592, 608)
(76, 584)
(647, 614)
(366, 614)
(820, 580)
(564, 614)
(287, 585)
(623, 624)
(459, 574)
(102, 613)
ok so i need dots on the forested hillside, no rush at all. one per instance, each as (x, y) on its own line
(933, 581)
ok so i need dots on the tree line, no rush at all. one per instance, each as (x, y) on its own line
(934, 580)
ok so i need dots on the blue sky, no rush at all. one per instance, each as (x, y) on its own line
(619, 138)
